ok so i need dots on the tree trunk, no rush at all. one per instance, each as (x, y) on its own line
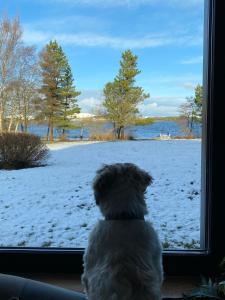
(81, 133)
(17, 125)
(1, 120)
(47, 135)
(25, 120)
(51, 133)
(191, 124)
(114, 129)
(25, 128)
(122, 132)
(11, 122)
(119, 132)
(64, 135)
(22, 126)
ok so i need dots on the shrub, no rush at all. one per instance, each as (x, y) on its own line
(109, 137)
(184, 137)
(102, 136)
(21, 150)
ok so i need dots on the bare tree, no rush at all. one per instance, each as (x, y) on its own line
(26, 86)
(19, 77)
(10, 41)
(188, 113)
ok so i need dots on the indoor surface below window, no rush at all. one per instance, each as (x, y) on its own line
(100, 82)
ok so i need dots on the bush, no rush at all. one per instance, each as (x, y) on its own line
(102, 137)
(184, 137)
(109, 137)
(21, 150)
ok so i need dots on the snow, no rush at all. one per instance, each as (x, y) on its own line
(53, 206)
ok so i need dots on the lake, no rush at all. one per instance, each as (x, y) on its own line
(138, 132)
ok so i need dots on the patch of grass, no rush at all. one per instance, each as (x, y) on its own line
(102, 136)
(144, 121)
(46, 244)
(21, 244)
(30, 234)
(184, 137)
(163, 225)
(194, 244)
(110, 136)
(166, 244)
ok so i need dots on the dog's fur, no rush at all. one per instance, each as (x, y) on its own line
(123, 257)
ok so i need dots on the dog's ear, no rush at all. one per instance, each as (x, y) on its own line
(144, 178)
(147, 179)
(102, 182)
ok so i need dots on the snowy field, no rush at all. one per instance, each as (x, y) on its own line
(53, 206)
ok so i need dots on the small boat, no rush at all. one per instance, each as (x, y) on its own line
(164, 136)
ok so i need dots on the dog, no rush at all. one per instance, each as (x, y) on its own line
(123, 260)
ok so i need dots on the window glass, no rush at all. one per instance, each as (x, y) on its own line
(100, 82)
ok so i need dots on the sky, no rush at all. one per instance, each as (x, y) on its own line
(166, 35)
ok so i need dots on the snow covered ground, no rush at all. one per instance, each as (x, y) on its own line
(53, 206)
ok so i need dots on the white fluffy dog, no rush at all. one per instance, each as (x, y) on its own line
(123, 259)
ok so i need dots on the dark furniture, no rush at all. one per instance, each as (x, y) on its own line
(18, 288)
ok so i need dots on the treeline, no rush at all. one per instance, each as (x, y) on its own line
(34, 85)
(40, 87)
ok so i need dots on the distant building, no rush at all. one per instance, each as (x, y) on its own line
(83, 116)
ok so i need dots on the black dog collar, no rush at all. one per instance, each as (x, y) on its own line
(125, 216)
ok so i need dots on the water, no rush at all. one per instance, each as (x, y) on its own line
(138, 132)
(162, 127)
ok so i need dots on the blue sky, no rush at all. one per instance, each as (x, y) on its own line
(167, 36)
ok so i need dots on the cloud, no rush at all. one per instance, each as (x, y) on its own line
(161, 106)
(187, 81)
(89, 105)
(35, 36)
(98, 40)
(90, 100)
(172, 101)
(159, 111)
(193, 60)
(94, 40)
(78, 22)
(188, 86)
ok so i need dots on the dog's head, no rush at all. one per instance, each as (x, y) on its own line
(120, 188)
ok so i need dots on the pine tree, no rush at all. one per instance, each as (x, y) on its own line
(198, 100)
(57, 88)
(122, 96)
(69, 96)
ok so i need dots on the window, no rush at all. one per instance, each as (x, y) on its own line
(213, 168)
(166, 73)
